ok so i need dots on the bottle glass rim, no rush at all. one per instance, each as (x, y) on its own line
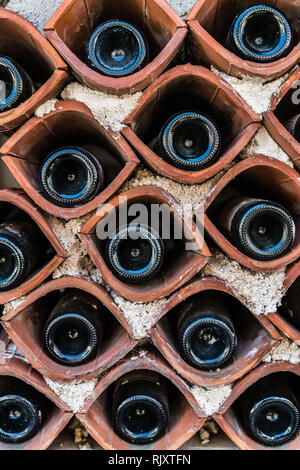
(207, 322)
(151, 435)
(94, 40)
(239, 30)
(70, 359)
(19, 265)
(156, 252)
(265, 404)
(29, 407)
(195, 162)
(17, 84)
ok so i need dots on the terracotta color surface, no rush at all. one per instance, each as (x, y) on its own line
(71, 26)
(252, 347)
(284, 325)
(25, 323)
(16, 30)
(188, 262)
(18, 198)
(185, 417)
(59, 415)
(228, 106)
(278, 181)
(37, 137)
(274, 123)
(210, 19)
(228, 420)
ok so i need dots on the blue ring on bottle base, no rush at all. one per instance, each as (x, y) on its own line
(217, 362)
(201, 160)
(117, 72)
(285, 41)
(6, 283)
(17, 85)
(150, 268)
(277, 439)
(70, 360)
(140, 438)
(31, 429)
(281, 247)
(87, 190)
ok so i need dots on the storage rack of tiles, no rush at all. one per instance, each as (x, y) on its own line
(72, 103)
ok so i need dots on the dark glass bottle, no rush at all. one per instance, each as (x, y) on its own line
(260, 34)
(20, 252)
(293, 126)
(135, 253)
(140, 407)
(290, 308)
(74, 329)
(206, 334)
(16, 85)
(190, 141)
(22, 410)
(117, 49)
(269, 410)
(71, 176)
(261, 229)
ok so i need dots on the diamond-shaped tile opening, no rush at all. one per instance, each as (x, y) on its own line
(287, 317)
(57, 413)
(209, 22)
(15, 206)
(70, 29)
(285, 106)
(181, 89)
(26, 323)
(229, 418)
(184, 414)
(257, 177)
(255, 335)
(22, 42)
(182, 260)
(71, 124)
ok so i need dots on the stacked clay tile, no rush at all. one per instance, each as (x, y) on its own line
(29, 140)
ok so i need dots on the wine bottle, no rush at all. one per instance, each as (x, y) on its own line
(190, 141)
(135, 253)
(206, 334)
(20, 252)
(117, 49)
(260, 34)
(74, 329)
(15, 85)
(22, 410)
(140, 407)
(71, 176)
(290, 307)
(261, 229)
(293, 126)
(269, 410)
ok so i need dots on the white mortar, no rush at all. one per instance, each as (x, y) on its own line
(192, 197)
(254, 90)
(12, 305)
(286, 350)
(140, 316)
(210, 399)
(261, 292)
(109, 110)
(46, 108)
(262, 142)
(182, 6)
(73, 394)
(36, 11)
(78, 263)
